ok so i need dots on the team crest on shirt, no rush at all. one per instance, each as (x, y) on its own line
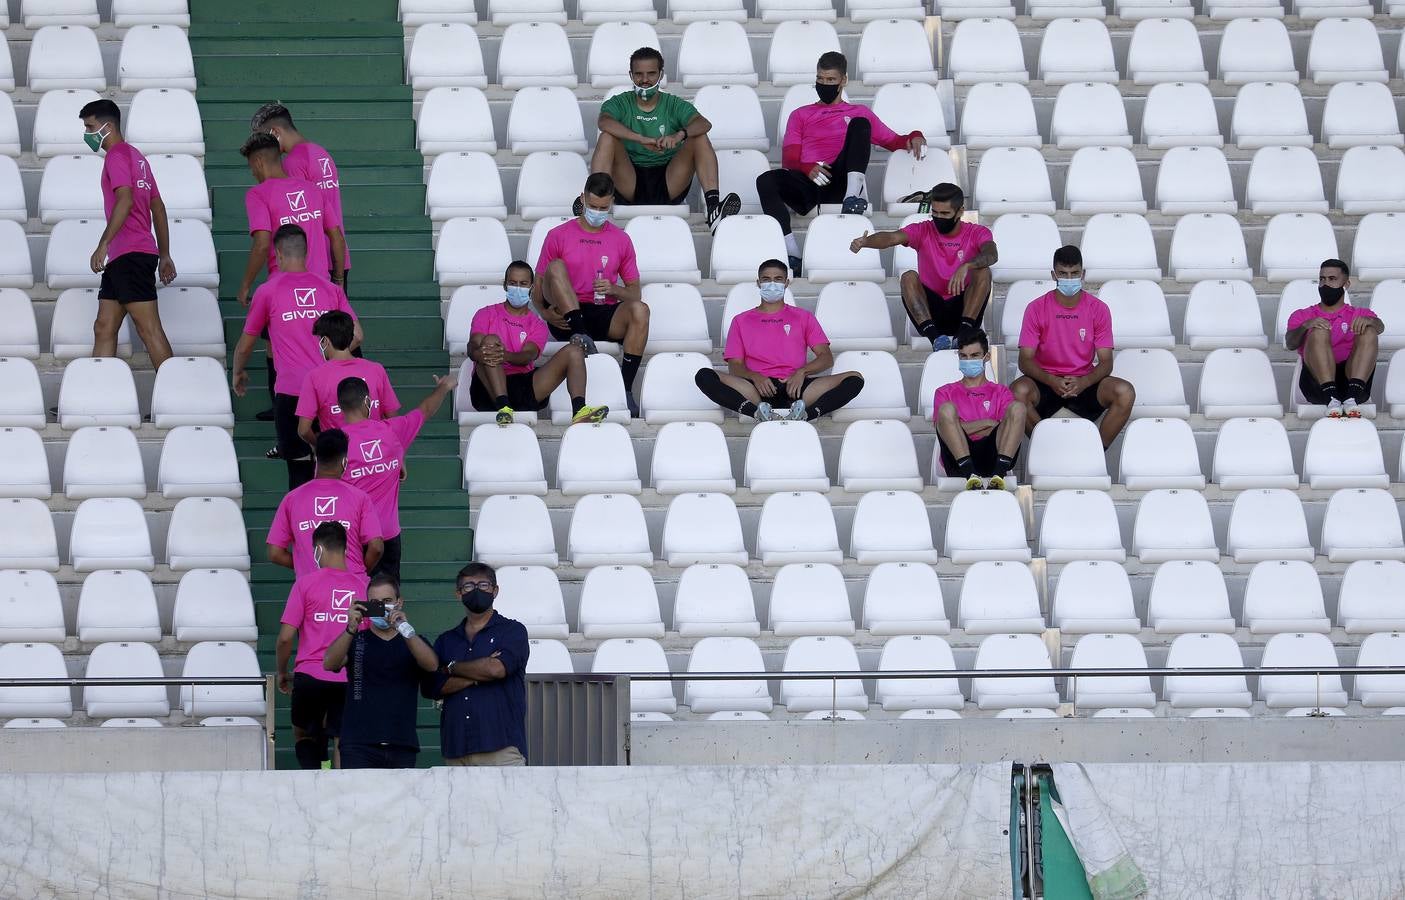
(305, 296)
(371, 450)
(1082, 334)
(297, 200)
(786, 328)
(1345, 326)
(986, 404)
(522, 336)
(342, 599)
(326, 167)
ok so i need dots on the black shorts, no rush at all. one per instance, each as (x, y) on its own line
(390, 559)
(130, 278)
(781, 398)
(1312, 391)
(317, 705)
(521, 396)
(377, 756)
(597, 322)
(947, 311)
(983, 453)
(651, 188)
(1084, 405)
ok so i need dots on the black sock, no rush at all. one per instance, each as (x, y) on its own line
(747, 408)
(968, 322)
(1329, 390)
(929, 330)
(835, 397)
(575, 320)
(576, 404)
(712, 199)
(724, 395)
(1356, 390)
(964, 467)
(501, 401)
(308, 754)
(629, 367)
(1003, 465)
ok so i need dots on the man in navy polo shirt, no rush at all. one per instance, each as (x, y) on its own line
(481, 679)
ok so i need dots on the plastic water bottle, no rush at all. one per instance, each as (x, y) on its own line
(406, 630)
(600, 276)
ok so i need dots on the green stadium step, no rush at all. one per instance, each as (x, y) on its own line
(376, 264)
(363, 290)
(268, 579)
(369, 133)
(312, 15)
(260, 474)
(218, 158)
(364, 177)
(278, 35)
(351, 62)
(366, 234)
(391, 332)
(427, 446)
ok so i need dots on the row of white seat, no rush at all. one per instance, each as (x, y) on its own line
(879, 455)
(1089, 596)
(120, 605)
(70, 188)
(998, 651)
(70, 247)
(189, 316)
(1203, 246)
(125, 659)
(158, 120)
(1234, 382)
(122, 13)
(189, 390)
(136, 722)
(895, 526)
(69, 56)
(112, 533)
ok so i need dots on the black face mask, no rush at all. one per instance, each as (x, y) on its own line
(827, 93)
(944, 225)
(1331, 296)
(477, 600)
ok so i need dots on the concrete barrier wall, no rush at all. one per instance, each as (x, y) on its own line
(171, 749)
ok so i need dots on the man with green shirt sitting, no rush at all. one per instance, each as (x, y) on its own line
(652, 142)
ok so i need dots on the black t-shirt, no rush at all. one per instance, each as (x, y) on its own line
(382, 692)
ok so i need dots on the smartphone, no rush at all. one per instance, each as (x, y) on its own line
(374, 608)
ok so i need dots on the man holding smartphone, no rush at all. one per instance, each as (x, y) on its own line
(384, 665)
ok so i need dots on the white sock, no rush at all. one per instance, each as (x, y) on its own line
(792, 246)
(858, 186)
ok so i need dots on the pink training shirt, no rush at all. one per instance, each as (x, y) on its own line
(319, 607)
(290, 201)
(1343, 338)
(515, 330)
(773, 343)
(815, 133)
(986, 401)
(940, 255)
(124, 166)
(288, 304)
(310, 162)
(325, 500)
(317, 398)
(608, 250)
(376, 458)
(1066, 341)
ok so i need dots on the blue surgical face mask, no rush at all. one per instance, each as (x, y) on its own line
(596, 217)
(970, 368)
(518, 296)
(771, 291)
(1069, 287)
(380, 621)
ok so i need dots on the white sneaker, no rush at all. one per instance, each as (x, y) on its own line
(1350, 410)
(1334, 409)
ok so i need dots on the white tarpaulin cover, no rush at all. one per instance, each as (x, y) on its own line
(650, 831)
(1272, 830)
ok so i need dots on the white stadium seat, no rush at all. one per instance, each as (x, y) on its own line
(1295, 295)
(54, 133)
(19, 330)
(1371, 178)
(715, 52)
(37, 13)
(471, 250)
(181, 179)
(414, 13)
(1237, 382)
(222, 659)
(1013, 651)
(986, 49)
(1194, 180)
(663, 246)
(999, 114)
(1362, 523)
(634, 655)
(465, 183)
(894, 51)
(1369, 598)
(904, 598)
(714, 600)
(514, 529)
(1267, 524)
(784, 456)
(827, 257)
(1381, 690)
(1088, 114)
(703, 528)
(545, 118)
(10, 129)
(1180, 114)
(985, 525)
(1285, 179)
(691, 456)
(1287, 691)
(194, 245)
(1012, 180)
(1018, 296)
(28, 532)
(189, 390)
(735, 113)
(1256, 49)
(21, 399)
(797, 526)
(1080, 524)
(1394, 386)
(445, 54)
(1160, 453)
(1375, 250)
(891, 526)
(214, 605)
(508, 12)
(26, 473)
(1208, 245)
(1076, 50)
(207, 533)
(1119, 245)
(1224, 313)
(100, 392)
(1345, 49)
(1346, 456)
(1291, 238)
(999, 598)
(65, 57)
(1284, 595)
(118, 605)
(882, 394)
(737, 171)
(909, 106)
(878, 455)
(619, 601)
(810, 599)
(103, 461)
(191, 319)
(1157, 378)
(669, 393)
(66, 263)
(1028, 244)
(822, 654)
(1173, 524)
(686, 11)
(1066, 452)
(108, 533)
(1103, 179)
(66, 190)
(741, 243)
(548, 183)
(532, 596)
(34, 660)
(794, 47)
(1269, 114)
(604, 387)
(71, 329)
(914, 653)
(1360, 113)
(165, 120)
(1165, 49)
(503, 460)
(32, 609)
(773, 11)
(1110, 651)
(1205, 651)
(596, 458)
(853, 314)
(455, 117)
(1139, 314)
(155, 56)
(608, 530)
(726, 654)
(1253, 453)
(677, 319)
(1094, 596)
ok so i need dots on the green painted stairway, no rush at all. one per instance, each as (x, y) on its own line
(339, 67)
